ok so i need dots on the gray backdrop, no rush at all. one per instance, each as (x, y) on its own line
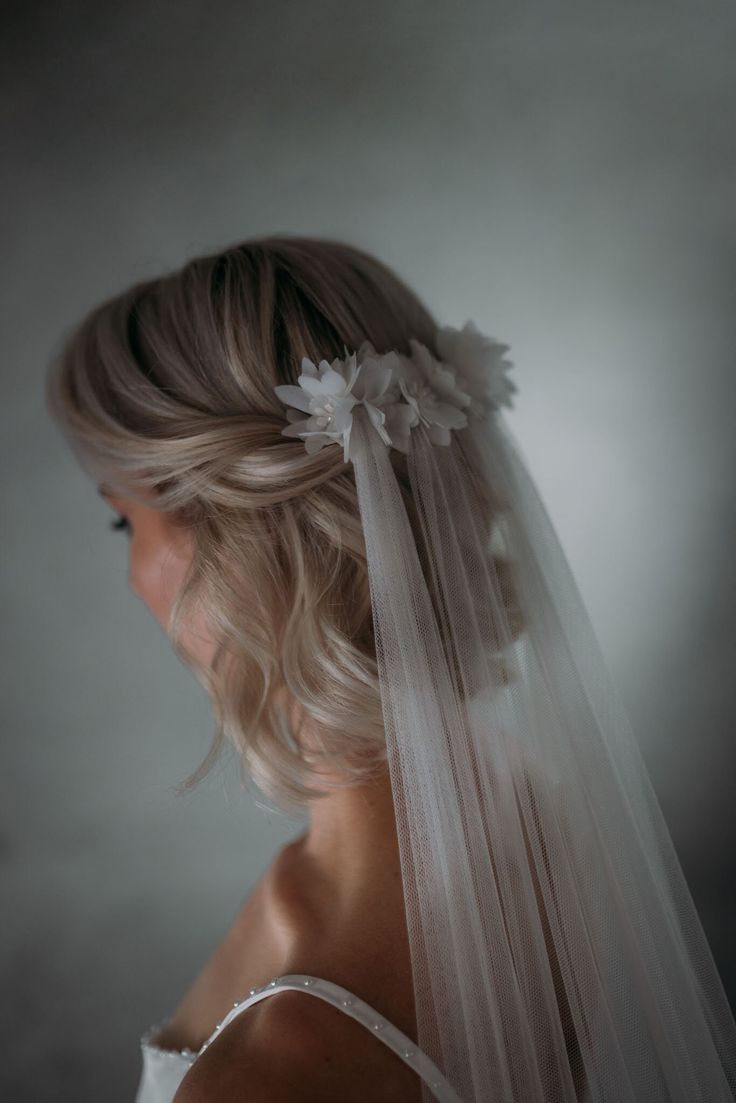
(562, 173)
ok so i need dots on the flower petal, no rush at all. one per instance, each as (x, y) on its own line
(374, 380)
(318, 422)
(438, 434)
(399, 421)
(447, 415)
(295, 428)
(293, 396)
(350, 371)
(312, 385)
(420, 354)
(309, 367)
(333, 382)
(315, 442)
(342, 418)
(409, 397)
(377, 419)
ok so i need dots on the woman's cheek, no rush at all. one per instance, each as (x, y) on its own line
(156, 575)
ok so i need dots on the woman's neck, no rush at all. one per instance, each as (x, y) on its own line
(346, 860)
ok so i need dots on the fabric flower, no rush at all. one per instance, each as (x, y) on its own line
(329, 392)
(399, 392)
(480, 365)
(432, 393)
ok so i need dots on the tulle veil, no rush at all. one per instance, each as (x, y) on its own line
(557, 954)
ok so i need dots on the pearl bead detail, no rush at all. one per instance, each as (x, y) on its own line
(357, 1008)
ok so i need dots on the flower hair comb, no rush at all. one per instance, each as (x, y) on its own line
(399, 392)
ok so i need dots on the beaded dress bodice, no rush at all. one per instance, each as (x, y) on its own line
(164, 1069)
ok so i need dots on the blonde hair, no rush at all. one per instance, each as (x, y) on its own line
(169, 387)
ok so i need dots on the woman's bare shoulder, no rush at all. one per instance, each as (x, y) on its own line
(248, 954)
(292, 1046)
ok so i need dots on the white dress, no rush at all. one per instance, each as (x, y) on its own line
(164, 1069)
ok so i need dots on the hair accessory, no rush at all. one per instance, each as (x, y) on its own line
(399, 392)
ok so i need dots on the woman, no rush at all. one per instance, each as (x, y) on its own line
(329, 518)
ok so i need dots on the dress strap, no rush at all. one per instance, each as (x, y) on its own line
(359, 1010)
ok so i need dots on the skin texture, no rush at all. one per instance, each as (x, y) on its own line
(330, 904)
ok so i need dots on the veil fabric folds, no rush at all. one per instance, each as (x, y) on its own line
(556, 951)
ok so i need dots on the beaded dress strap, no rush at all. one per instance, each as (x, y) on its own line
(359, 1010)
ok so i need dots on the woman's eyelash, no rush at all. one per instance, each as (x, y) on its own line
(120, 523)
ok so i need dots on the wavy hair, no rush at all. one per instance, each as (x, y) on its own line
(169, 387)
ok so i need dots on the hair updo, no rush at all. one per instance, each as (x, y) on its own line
(169, 387)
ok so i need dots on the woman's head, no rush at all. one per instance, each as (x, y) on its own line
(249, 551)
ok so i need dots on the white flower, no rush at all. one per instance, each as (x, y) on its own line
(432, 393)
(329, 392)
(480, 365)
(399, 392)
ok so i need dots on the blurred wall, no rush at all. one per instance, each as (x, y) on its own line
(564, 174)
